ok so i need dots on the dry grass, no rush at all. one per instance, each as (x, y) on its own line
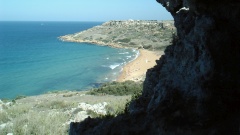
(49, 113)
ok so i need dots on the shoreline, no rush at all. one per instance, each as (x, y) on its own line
(129, 34)
(137, 68)
(95, 42)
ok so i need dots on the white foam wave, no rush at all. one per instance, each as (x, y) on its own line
(136, 56)
(114, 66)
(124, 53)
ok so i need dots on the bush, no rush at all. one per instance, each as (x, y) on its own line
(160, 47)
(105, 40)
(118, 88)
(20, 97)
(125, 40)
(132, 43)
(147, 46)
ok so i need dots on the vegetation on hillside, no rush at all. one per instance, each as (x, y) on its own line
(118, 88)
(51, 113)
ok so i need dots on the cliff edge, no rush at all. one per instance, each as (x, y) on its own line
(195, 87)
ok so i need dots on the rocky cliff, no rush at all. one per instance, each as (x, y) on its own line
(195, 87)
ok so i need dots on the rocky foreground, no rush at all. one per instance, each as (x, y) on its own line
(152, 35)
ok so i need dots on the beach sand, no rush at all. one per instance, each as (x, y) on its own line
(136, 70)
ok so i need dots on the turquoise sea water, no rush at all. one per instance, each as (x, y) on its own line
(34, 61)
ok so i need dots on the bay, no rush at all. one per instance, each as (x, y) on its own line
(34, 61)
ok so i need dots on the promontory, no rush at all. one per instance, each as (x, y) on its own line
(147, 34)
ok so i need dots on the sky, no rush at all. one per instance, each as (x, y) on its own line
(81, 10)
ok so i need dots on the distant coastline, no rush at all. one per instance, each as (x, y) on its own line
(151, 35)
(144, 35)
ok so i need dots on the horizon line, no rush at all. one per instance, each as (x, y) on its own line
(78, 21)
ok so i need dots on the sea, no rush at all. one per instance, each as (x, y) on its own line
(33, 60)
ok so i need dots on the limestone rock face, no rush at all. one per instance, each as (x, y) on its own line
(195, 87)
(196, 83)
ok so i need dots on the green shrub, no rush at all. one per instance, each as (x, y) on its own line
(68, 95)
(118, 88)
(160, 47)
(147, 46)
(132, 43)
(116, 110)
(20, 97)
(105, 40)
(154, 40)
(57, 91)
(125, 40)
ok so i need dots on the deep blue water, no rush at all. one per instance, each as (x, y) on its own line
(34, 61)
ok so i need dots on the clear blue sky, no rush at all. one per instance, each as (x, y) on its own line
(81, 10)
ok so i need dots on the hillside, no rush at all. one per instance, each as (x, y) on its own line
(152, 35)
(36, 114)
(51, 113)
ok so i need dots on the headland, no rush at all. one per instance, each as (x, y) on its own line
(148, 34)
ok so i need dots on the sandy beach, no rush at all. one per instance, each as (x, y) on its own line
(136, 70)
